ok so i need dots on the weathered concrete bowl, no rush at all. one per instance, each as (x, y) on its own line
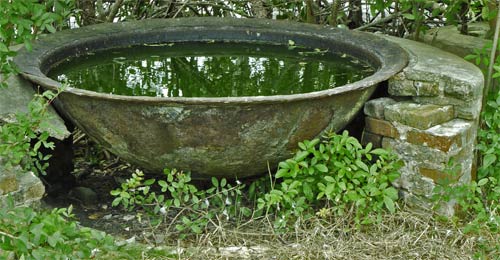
(230, 137)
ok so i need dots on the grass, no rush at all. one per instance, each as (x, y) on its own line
(408, 234)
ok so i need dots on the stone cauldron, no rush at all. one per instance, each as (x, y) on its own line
(225, 137)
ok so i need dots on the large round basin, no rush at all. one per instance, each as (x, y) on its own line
(229, 137)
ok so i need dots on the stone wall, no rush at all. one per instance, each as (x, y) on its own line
(23, 187)
(430, 119)
(448, 38)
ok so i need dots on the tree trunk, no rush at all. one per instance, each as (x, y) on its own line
(310, 16)
(88, 15)
(355, 15)
(114, 11)
(464, 9)
(258, 9)
(336, 5)
(492, 5)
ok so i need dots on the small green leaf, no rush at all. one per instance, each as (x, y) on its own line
(215, 182)
(488, 160)
(482, 182)
(392, 193)
(162, 183)
(301, 155)
(329, 179)
(389, 204)
(342, 185)
(379, 151)
(282, 173)
(180, 227)
(409, 16)
(329, 189)
(52, 240)
(116, 201)
(470, 57)
(306, 187)
(3, 47)
(485, 12)
(124, 194)
(149, 182)
(362, 165)
(283, 165)
(50, 28)
(368, 147)
(352, 195)
(321, 167)
(246, 211)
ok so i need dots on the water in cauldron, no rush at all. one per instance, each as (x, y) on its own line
(210, 70)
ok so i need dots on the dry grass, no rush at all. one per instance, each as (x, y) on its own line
(408, 234)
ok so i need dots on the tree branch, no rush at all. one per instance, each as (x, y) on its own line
(380, 21)
(114, 10)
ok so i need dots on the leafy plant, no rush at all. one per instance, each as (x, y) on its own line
(337, 174)
(29, 234)
(22, 20)
(22, 139)
(478, 200)
(481, 196)
(195, 207)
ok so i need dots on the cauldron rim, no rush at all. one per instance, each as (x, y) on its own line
(34, 65)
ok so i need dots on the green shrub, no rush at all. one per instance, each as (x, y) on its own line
(478, 200)
(22, 20)
(337, 174)
(21, 139)
(28, 234)
(176, 193)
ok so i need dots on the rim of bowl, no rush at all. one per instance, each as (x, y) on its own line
(390, 57)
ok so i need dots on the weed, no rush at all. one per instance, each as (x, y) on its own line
(336, 175)
(28, 234)
(195, 208)
(332, 177)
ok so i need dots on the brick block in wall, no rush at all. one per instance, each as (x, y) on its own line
(431, 162)
(368, 137)
(388, 143)
(468, 110)
(467, 90)
(445, 137)
(380, 127)
(375, 107)
(439, 176)
(8, 183)
(421, 116)
(423, 155)
(399, 85)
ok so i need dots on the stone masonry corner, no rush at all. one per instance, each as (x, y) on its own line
(430, 119)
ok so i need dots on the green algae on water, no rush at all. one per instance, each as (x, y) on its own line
(210, 70)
